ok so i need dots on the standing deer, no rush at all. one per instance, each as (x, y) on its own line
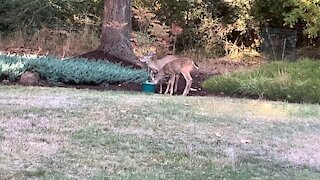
(157, 65)
(173, 69)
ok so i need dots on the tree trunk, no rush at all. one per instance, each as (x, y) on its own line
(116, 41)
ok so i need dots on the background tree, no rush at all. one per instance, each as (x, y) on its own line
(116, 28)
(210, 27)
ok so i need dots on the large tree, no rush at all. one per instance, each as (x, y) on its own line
(116, 28)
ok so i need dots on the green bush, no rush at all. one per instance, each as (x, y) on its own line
(292, 82)
(74, 71)
(12, 67)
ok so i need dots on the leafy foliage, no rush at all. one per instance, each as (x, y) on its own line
(35, 14)
(151, 34)
(75, 71)
(293, 82)
(270, 13)
(306, 11)
(211, 27)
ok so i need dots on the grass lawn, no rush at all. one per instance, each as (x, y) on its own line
(295, 82)
(57, 133)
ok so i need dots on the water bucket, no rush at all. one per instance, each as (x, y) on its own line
(148, 87)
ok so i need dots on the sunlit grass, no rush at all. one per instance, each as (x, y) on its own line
(286, 81)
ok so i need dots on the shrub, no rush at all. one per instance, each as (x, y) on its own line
(11, 69)
(292, 82)
(74, 71)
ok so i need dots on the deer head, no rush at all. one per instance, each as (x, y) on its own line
(150, 63)
(157, 77)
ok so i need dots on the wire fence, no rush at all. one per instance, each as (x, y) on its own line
(279, 44)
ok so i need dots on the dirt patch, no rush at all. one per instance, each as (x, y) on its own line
(100, 55)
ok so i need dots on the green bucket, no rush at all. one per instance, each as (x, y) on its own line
(148, 87)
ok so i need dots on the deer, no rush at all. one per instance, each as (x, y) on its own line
(157, 66)
(172, 68)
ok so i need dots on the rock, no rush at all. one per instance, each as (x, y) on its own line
(29, 78)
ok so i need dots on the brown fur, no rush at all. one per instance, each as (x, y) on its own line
(173, 70)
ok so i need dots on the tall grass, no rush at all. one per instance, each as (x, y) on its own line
(292, 82)
(59, 43)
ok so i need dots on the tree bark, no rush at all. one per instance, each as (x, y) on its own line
(115, 41)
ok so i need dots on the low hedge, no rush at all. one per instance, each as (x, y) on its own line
(73, 71)
(285, 81)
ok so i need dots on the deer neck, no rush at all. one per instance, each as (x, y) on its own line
(153, 66)
(160, 63)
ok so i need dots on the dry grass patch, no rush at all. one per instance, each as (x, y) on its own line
(53, 42)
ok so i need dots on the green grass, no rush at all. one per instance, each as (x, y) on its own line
(120, 135)
(292, 82)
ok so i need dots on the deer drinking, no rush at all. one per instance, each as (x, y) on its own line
(171, 66)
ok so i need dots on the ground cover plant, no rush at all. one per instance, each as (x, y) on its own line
(74, 70)
(292, 82)
(58, 133)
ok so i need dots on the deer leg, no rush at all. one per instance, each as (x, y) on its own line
(168, 87)
(163, 81)
(172, 80)
(160, 90)
(176, 85)
(170, 84)
(188, 79)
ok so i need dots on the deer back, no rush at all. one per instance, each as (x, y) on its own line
(179, 65)
(160, 63)
(187, 65)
